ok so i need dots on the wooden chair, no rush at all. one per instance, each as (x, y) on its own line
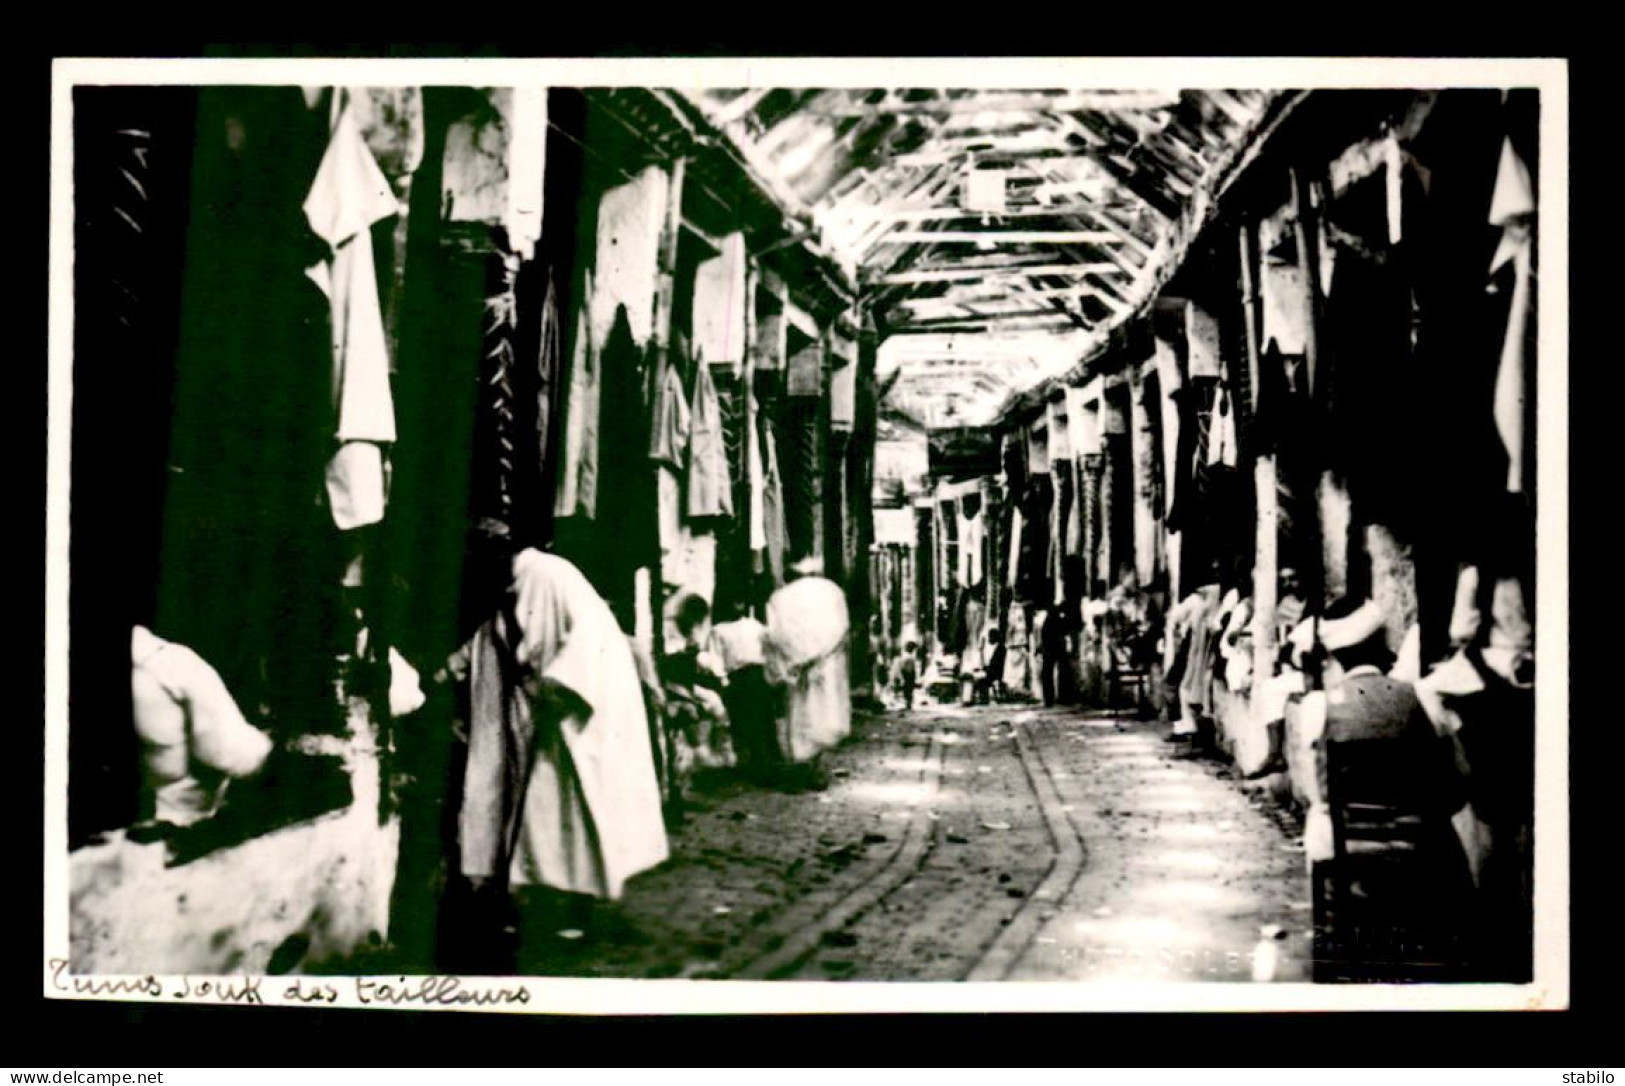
(1126, 687)
(1389, 899)
(1126, 680)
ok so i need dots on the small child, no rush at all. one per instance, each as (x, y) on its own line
(990, 687)
(908, 672)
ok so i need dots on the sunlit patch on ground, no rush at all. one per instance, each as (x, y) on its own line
(941, 809)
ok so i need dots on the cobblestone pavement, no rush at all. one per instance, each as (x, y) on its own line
(999, 842)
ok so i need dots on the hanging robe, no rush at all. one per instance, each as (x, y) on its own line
(668, 448)
(774, 527)
(1511, 209)
(756, 474)
(709, 482)
(349, 194)
(578, 452)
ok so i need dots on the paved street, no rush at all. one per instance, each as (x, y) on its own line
(991, 843)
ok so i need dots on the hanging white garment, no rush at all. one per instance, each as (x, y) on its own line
(1201, 342)
(976, 545)
(756, 477)
(526, 120)
(1408, 660)
(1511, 208)
(350, 194)
(406, 694)
(578, 457)
(970, 546)
(1013, 569)
(1438, 689)
(1465, 617)
(1221, 446)
(356, 487)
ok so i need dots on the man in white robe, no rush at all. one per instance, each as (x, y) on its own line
(806, 653)
(560, 787)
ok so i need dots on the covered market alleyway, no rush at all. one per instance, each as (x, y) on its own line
(984, 843)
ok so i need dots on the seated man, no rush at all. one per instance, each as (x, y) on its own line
(194, 738)
(692, 677)
(1289, 605)
(1403, 787)
(1362, 701)
(1364, 704)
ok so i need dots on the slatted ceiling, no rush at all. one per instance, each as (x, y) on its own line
(1095, 183)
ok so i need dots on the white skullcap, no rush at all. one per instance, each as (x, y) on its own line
(1364, 622)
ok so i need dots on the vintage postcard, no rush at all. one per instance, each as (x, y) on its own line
(784, 535)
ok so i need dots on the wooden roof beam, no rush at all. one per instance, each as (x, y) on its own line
(1003, 306)
(1103, 213)
(1055, 322)
(1232, 106)
(937, 275)
(1008, 314)
(1110, 292)
(952, 213)
(1114, 253)
(1134, 180)
(1025, 289)
(941, 181)
(1001, 237)
(1071, 102)
(987, 261)
(999, 296)
(772, 139)
(1130, 239)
